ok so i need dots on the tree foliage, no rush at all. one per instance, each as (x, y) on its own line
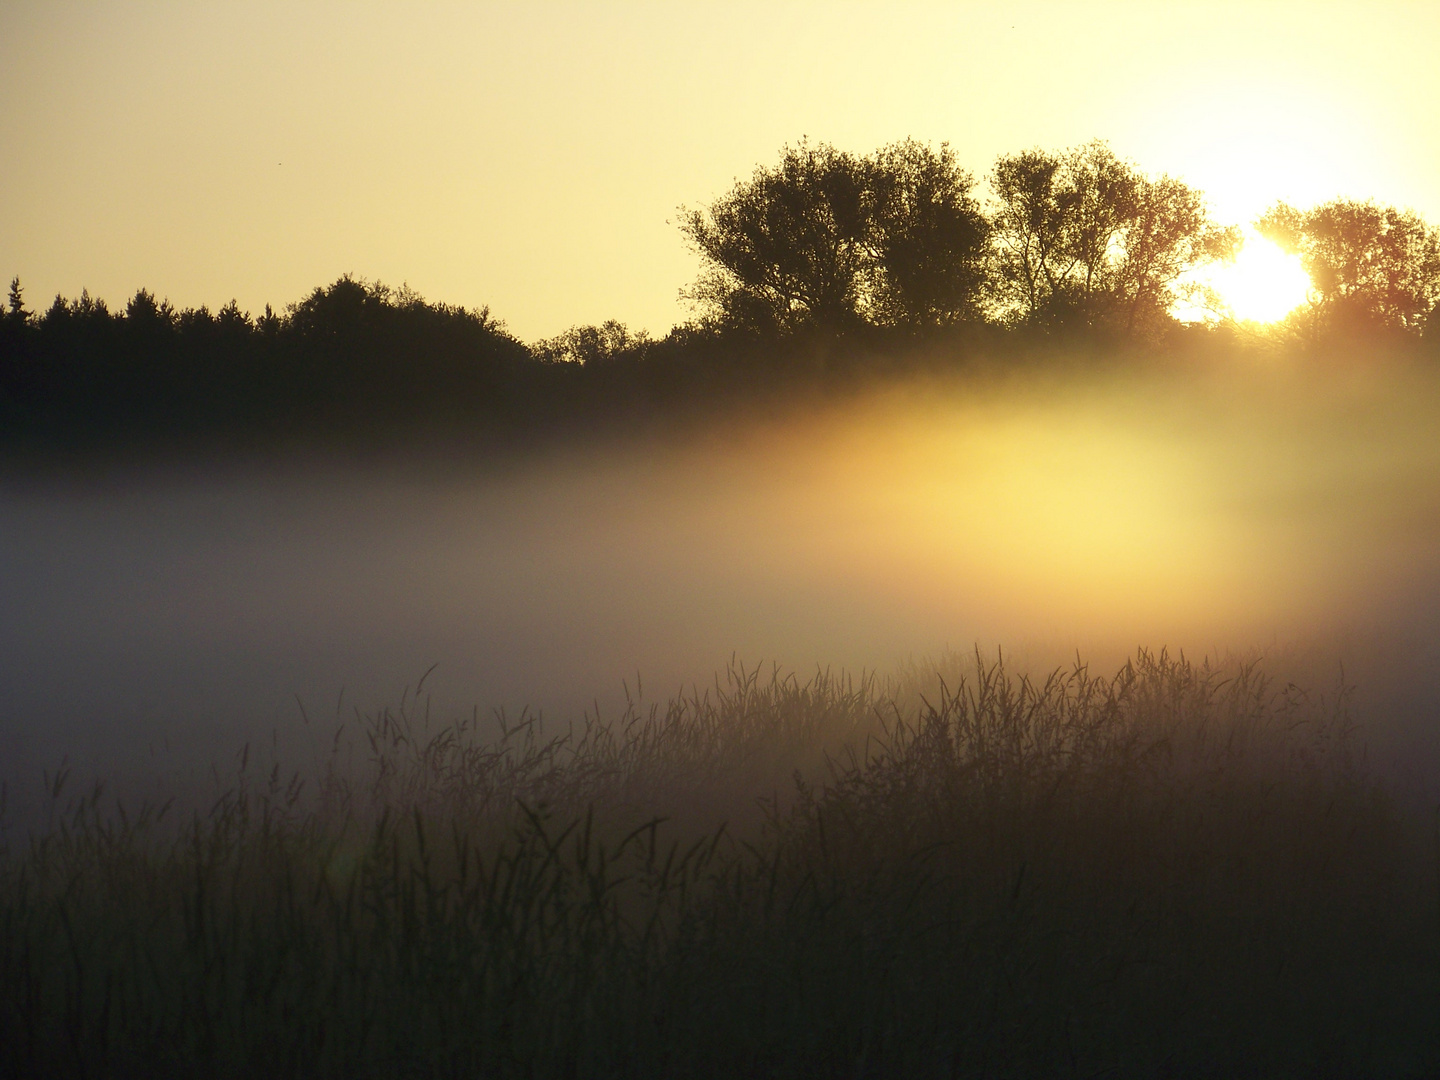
(830, 239)
(609, 341)
(1371, 266)
(823, 244)
(1084, 238)
(930, 240)
(790, 246)
(351, 351)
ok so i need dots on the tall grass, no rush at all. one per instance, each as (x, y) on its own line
(1177, 870)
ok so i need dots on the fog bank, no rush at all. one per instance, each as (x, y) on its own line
(152, 618)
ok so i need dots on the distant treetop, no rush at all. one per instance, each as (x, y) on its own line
(1372, 267)
(832, 240)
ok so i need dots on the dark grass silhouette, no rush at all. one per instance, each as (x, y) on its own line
(1179, 870)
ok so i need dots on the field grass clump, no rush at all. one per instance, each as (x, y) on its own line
(1177, 870)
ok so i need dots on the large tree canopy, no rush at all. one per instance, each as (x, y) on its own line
(790, 245)
(831, 239)
(1085, 237)
(1371, 266)
(930, 238)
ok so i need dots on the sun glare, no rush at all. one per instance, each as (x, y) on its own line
(1263, 284)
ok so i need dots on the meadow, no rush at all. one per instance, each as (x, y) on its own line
(1171, 869)
(1072, 528)
(1139, 863)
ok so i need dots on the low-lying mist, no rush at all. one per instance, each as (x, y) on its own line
(155, 618)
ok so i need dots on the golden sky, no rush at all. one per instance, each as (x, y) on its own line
(531, 156)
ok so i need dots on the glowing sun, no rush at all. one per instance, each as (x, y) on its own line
(1263, 284)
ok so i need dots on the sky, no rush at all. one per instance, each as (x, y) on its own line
(532, 157)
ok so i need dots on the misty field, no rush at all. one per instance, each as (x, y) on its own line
(781, 574)
(981, 864)
(1171, 870)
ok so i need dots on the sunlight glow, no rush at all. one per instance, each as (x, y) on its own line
(1263, 284)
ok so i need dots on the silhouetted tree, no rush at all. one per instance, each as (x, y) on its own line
(609, 341)
(143, 310)
(1082, 237)
(792, 245)
(16, 300)
(1033, 256)
(15, 334)
(930, 238)
(833, 240)
(353, 353)
(357, 347)
(1371, 266)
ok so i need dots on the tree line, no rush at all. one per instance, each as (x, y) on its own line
(877, 252)
(1065, 241)
(346, 351)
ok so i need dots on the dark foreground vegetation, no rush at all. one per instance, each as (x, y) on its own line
(1179, 871)
(827, 268)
